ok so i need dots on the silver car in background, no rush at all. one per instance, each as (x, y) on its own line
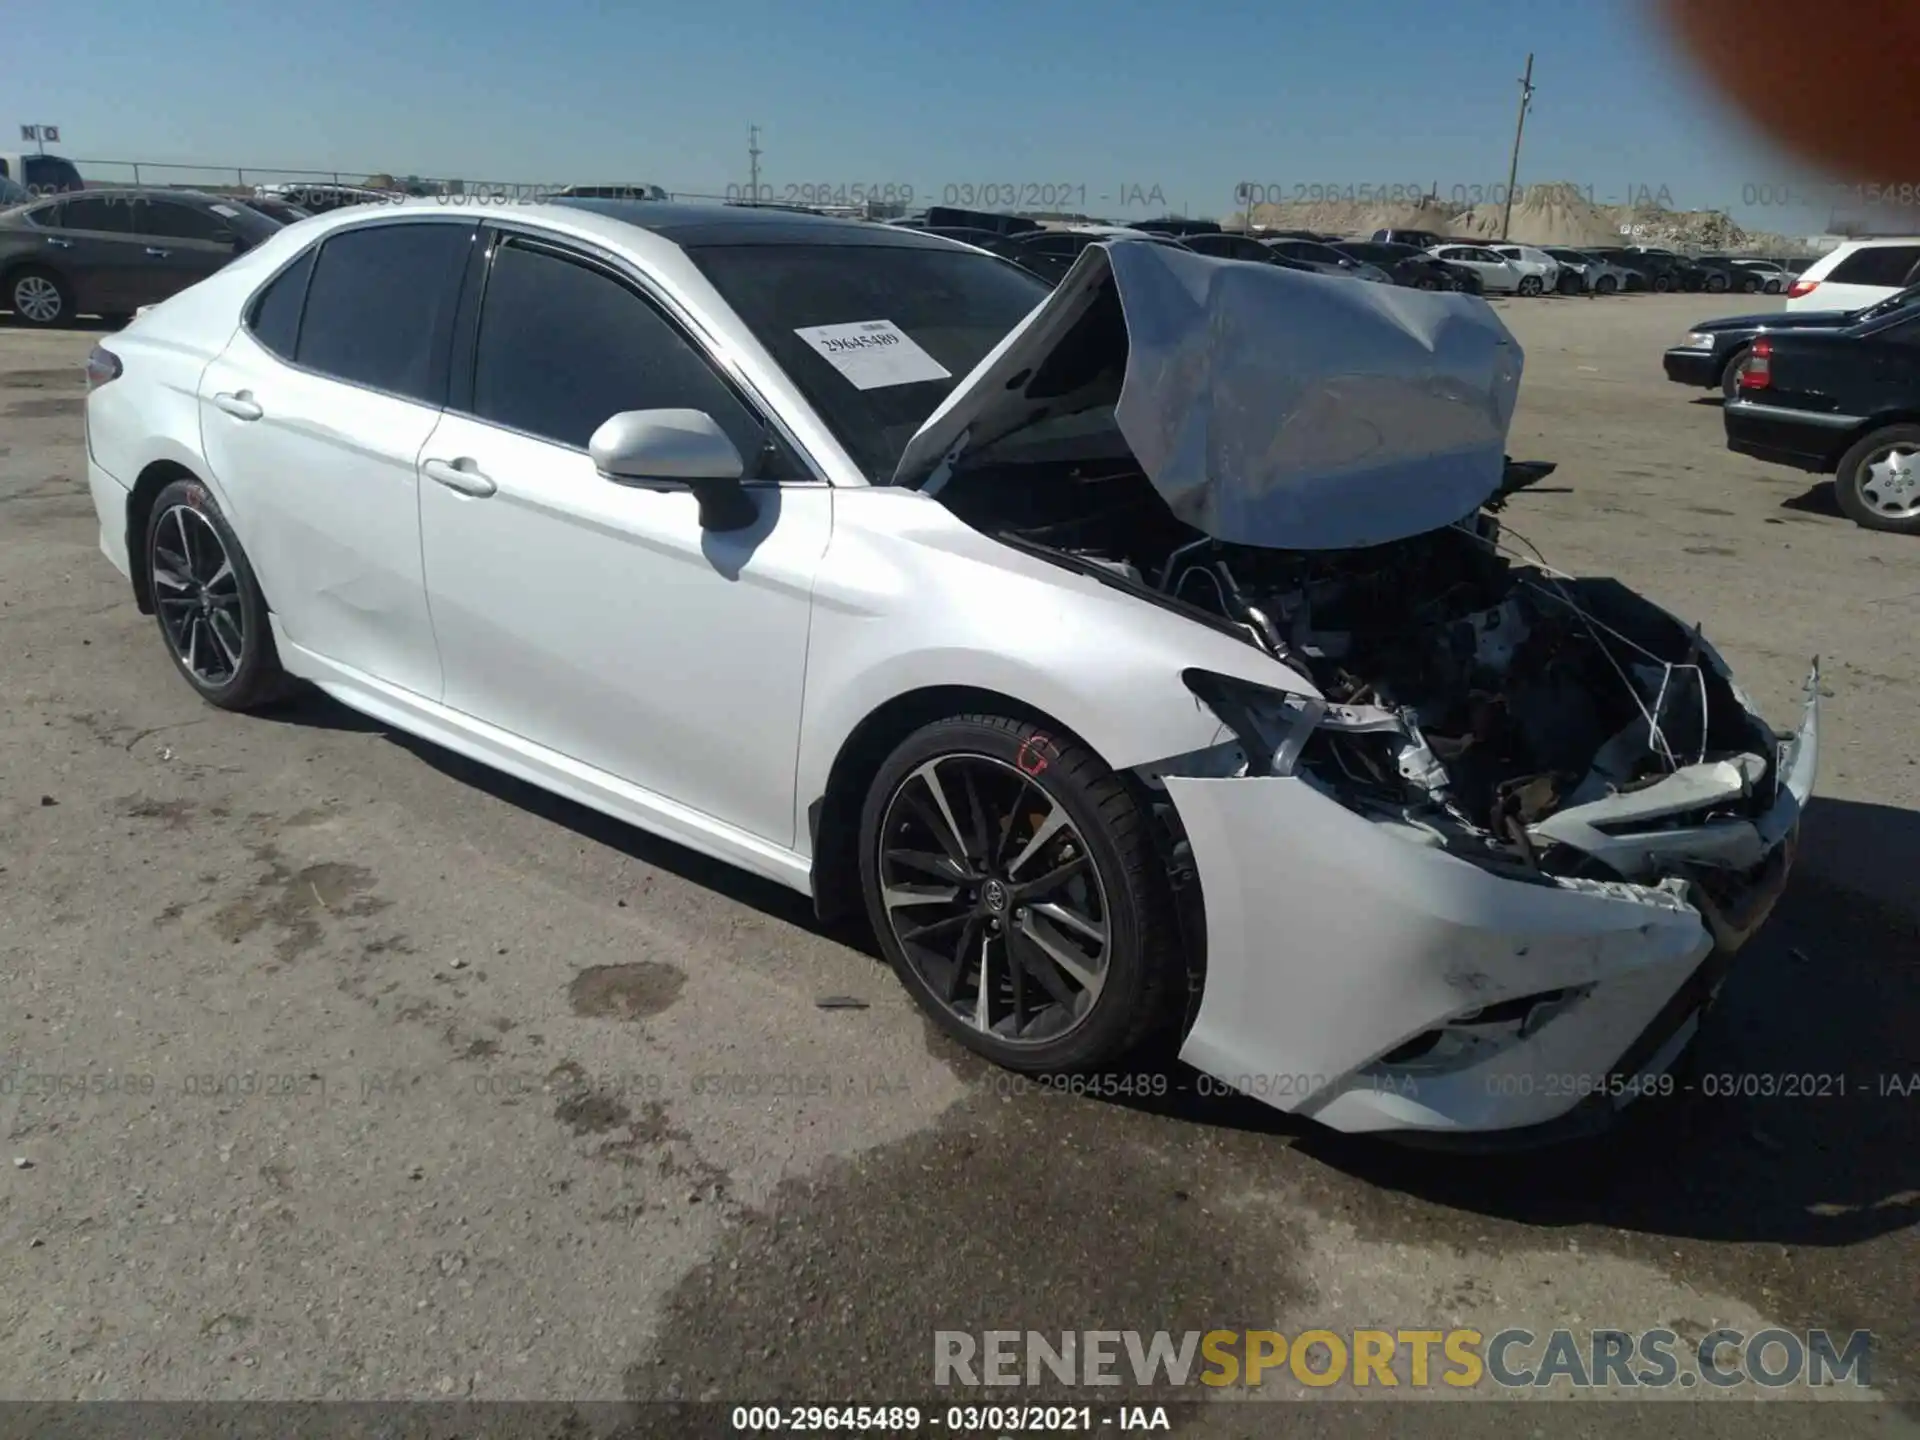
(1596, 276)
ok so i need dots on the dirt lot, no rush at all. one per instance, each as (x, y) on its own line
(340, 1068)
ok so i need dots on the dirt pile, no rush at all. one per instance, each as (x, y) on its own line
(1543, 215)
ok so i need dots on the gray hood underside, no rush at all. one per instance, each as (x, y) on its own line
(1267, 407)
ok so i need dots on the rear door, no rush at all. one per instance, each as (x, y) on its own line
(179, 245)
(313, 420)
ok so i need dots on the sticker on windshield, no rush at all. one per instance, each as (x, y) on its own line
(874, 354)
(226, 210)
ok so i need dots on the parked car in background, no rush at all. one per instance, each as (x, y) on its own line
(1420, 239)
(1857, 273)
(108, 252)
(1404, 265)
(1710, 355)
(273, 209)
(630, 191)
(1007, 247)
(1049, 254)
(1534, 262)
(1774, 278)
(1595, 275)
(611, 497)
(40, 174)
(951, 215)
(318, 198)
(1641, 276)
(1226, 246)
(1723, 273)
(1664, 270)
(1844, 403)
(1178, 226)
(1496, 273)
(1327, 260)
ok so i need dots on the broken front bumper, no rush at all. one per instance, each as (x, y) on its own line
(1336, 950)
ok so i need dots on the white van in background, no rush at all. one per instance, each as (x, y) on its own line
(1857, 274)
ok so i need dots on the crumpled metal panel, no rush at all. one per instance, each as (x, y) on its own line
(1314, 412)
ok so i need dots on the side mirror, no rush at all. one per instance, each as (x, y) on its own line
(678, 445)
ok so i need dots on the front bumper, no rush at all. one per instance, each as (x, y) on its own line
(110, 505)
(1334, 946)
(1699, 368)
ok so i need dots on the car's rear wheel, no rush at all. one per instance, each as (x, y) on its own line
(1530, 285)
(1750, 285)
(1716, 284)
(1878, 480)
(1013, 883)
(1773, 287)
(1730, 373)
(1605, 285)
(39, 297)
(212, 615)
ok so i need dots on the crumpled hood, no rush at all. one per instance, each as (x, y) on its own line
(1268, 407)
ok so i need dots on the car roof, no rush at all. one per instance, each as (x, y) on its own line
(694, 225)
(150, 192)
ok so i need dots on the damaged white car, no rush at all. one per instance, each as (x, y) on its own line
(1145, 657)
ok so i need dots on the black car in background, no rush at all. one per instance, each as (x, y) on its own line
(273, 209)
(1711, 353)
(1178, 226)
(1007, 247)
(108, 252)
(1227, 246)
(1051, 253)
(1842, 402)
(1410, 267)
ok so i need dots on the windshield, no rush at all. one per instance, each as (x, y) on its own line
(949, 307)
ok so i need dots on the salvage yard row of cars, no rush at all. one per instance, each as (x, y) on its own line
(1308, 773)
(1830, 388)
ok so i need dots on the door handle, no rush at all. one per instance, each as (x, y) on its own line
(241, 405)
(59, 244)
(157, 253)
(462, 475)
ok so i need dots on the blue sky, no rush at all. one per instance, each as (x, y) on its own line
(1121, 100)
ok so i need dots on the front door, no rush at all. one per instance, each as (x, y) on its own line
(179, 245)
(595, 617)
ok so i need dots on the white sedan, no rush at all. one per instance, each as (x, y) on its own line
(1137, 716)
(1498, 275)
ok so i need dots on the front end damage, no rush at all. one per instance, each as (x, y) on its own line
(1476, 859)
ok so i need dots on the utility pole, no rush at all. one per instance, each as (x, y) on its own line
(1513, 170)
(753, 164)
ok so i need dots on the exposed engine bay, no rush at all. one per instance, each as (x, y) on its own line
(1564, 727)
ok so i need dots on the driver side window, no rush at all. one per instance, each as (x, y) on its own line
(563, 346)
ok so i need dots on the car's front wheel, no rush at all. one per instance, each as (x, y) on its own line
(39, 297)
(1773, 287)
(1013, 883)
(1530, 285)
(1605, 285)
(212, 615)
(1878, 480)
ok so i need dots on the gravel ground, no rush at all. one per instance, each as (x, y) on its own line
(338, 1068)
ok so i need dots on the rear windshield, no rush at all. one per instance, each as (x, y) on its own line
(891, 318)
(1877, 265)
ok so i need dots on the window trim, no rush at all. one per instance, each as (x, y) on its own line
(316, 247)
(466, 348)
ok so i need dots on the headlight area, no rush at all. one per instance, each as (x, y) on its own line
(1367, 758)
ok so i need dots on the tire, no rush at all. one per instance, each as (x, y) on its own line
(1427, 282)
(1716, 284)
(1605, 285)
(1773, 287)
(1750, 287)
(1730, 373)
(1530, 285)
(1662, 284)
(1874, 502)
(993, 773)
(39, 297)
(212, 594)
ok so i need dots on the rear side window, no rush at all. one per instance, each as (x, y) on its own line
(275, 317)
(380, 307)
(563, 348)
(175, 221)
(114, 217)
(1877, 265)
